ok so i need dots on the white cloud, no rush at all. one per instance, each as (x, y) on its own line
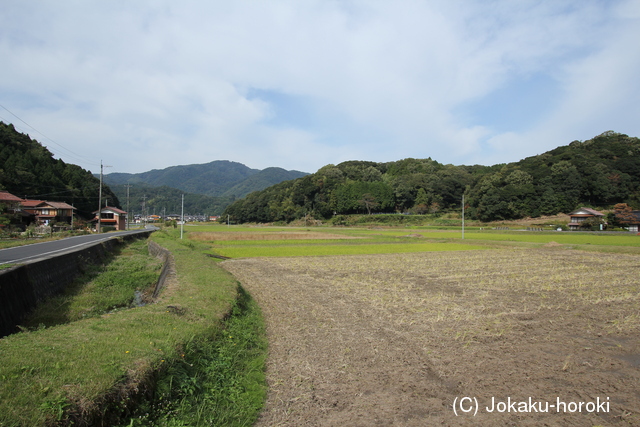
(151, 84)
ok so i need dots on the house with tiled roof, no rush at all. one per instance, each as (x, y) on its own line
(581, 215)
(10, 204)
(40, 212)
(46, 213)
(11, 201)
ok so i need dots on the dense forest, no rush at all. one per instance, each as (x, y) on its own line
(599, 172)
(28, 170)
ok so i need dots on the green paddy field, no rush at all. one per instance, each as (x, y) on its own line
(242, 241)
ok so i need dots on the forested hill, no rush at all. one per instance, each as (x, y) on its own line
(599, 172)
(28, 169)
(220, 178)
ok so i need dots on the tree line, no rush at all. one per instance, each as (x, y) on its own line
(599, 172)
(29, 170)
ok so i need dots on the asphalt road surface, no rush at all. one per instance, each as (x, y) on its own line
(27, 253)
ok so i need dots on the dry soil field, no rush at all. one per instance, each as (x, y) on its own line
(413, 339)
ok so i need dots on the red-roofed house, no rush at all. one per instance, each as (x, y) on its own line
(113, 217)
(581, 215)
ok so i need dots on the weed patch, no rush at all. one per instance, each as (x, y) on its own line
(102, 288)
(217, 381)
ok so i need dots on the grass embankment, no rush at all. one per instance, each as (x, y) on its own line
(102, 288)
(217, 381)
(92, 369)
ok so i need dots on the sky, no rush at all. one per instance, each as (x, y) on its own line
(299, 84)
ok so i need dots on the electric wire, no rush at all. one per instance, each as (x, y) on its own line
(71, 153)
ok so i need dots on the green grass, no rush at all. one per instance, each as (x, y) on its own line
(356, 241)
(339, 249)
(241, 228)
(102, 288)
(217, 382)
(565, 238)
(64, 371)
(396, 240)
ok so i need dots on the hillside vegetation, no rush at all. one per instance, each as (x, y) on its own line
(28, 169)
(599, 172)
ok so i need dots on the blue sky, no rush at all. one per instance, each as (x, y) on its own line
(303, 83)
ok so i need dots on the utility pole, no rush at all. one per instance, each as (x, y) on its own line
(100, 199)
(144, 205)
(128, 186)
(463, 217)
(182, 221)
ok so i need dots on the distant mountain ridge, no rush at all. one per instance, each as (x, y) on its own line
(219, 178)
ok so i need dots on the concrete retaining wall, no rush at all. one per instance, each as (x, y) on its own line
(23, 287)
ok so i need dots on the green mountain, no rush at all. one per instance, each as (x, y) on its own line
(28, 170)
(220, 178)
(599, 172)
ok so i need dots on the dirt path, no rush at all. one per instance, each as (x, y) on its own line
(401, 339)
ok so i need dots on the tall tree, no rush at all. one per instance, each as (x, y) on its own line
(30, 171)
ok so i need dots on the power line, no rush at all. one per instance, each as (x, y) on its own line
(72, 153)
(53, 194)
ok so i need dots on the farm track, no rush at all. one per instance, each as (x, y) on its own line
(386, 340)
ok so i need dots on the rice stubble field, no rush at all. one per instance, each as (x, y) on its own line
(400, 339)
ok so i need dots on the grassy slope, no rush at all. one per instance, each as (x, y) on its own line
(74, 366)
(218, 381)
(101, 288)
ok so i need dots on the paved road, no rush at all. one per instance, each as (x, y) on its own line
(22, 254)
